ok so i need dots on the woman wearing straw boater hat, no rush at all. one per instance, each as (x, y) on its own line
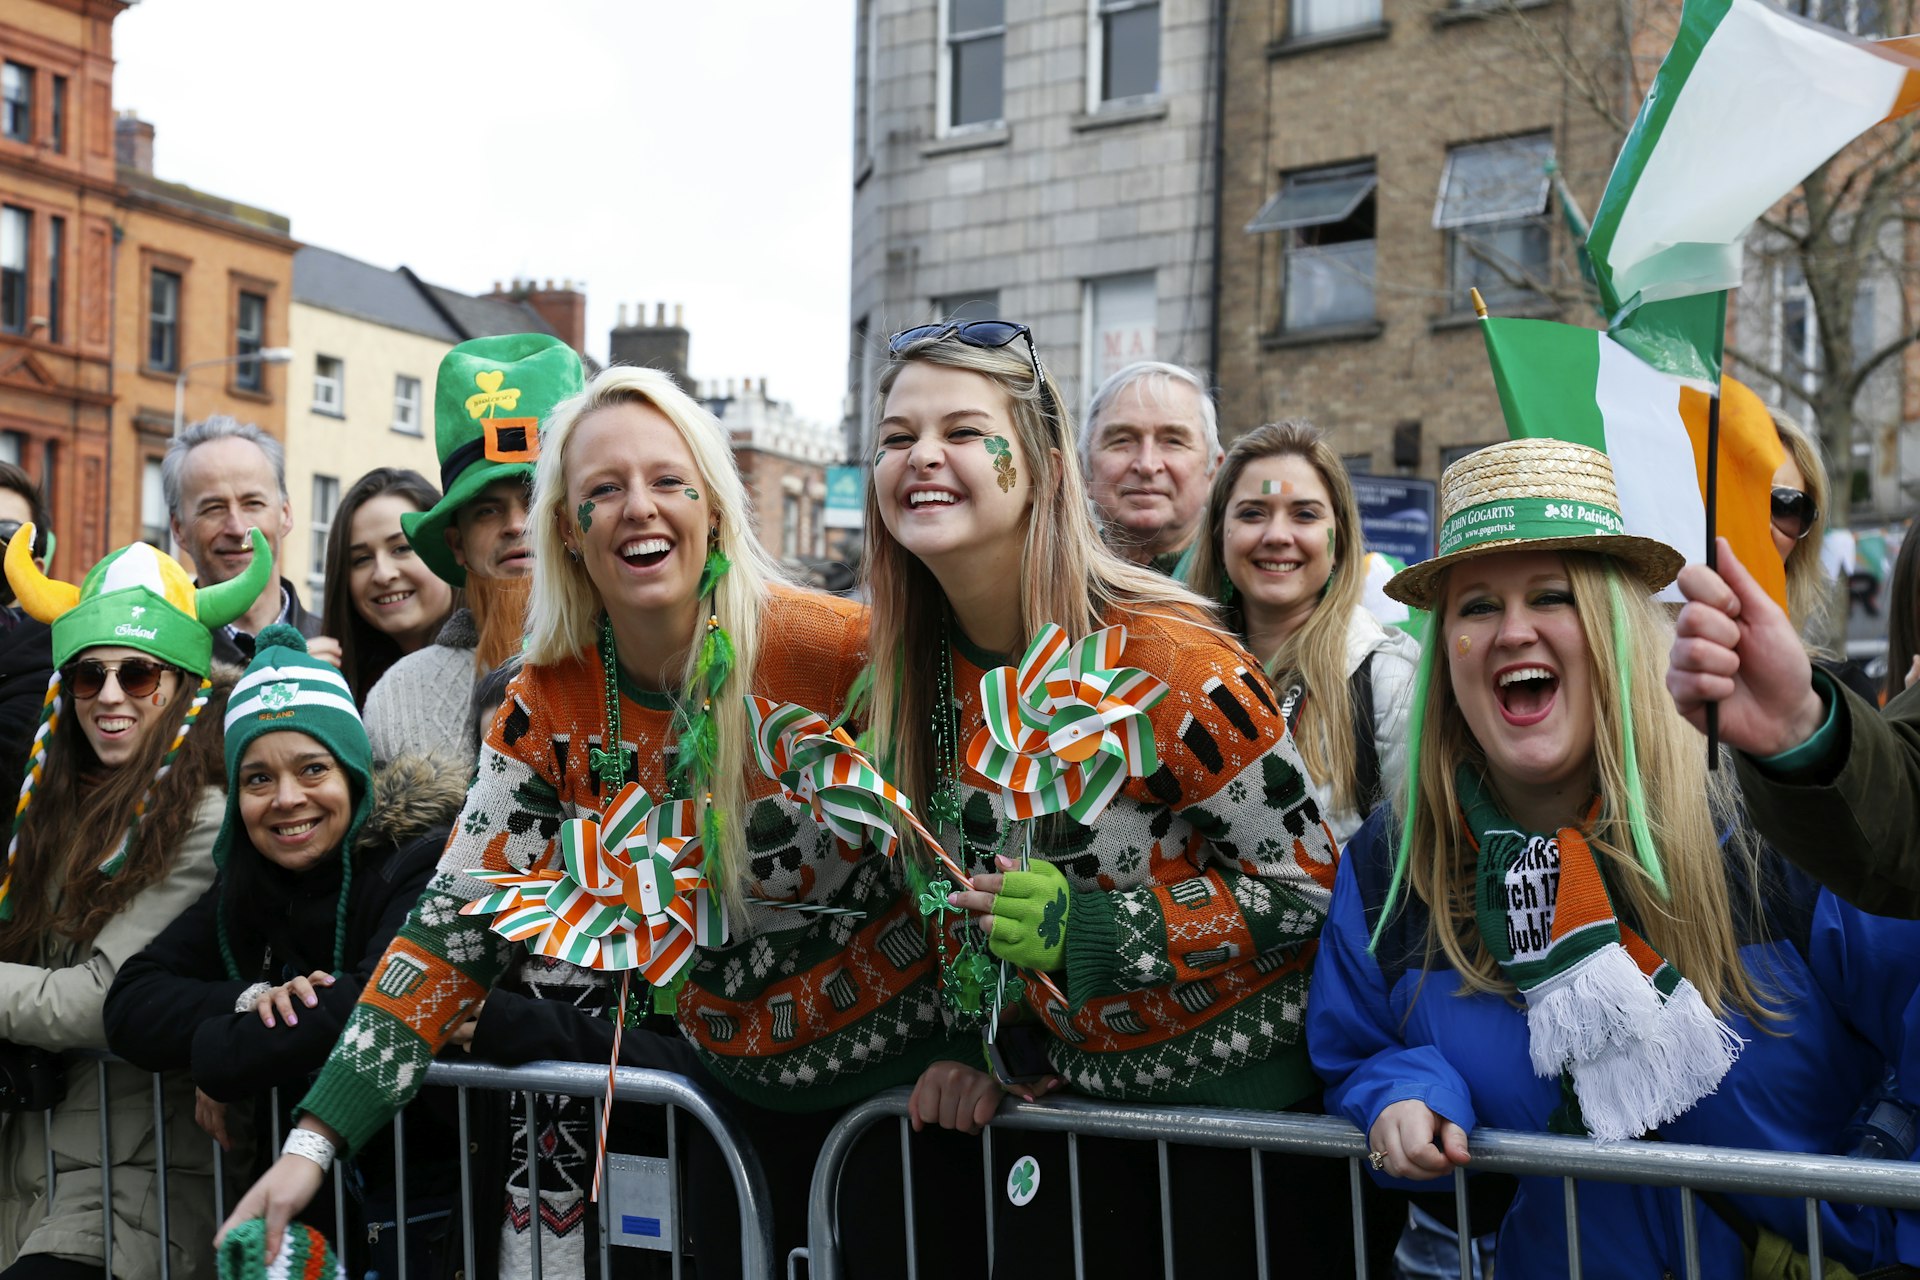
(1563, 923)
(111, 839)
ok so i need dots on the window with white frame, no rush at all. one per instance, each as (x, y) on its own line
(1125, 47)
(326, 502)
(977, 304)
(406, 404)
(1307, 18)
(154, 528)
(249, 334)
(163, 321)
(1121, 319)
(1493, 209)
(1326, 273)
(16, 101)
(329, 385)
(790, 524)
(16, 231)
(973, 62)
(1796, 329)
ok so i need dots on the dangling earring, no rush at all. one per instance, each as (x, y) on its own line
(713, 537)
(1226, 590)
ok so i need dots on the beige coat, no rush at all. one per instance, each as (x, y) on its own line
(59, 1007)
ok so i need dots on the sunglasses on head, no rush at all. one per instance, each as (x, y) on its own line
(990, 335)
(137, 677)
(1794, 513)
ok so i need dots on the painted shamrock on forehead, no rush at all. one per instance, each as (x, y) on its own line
(1003, 467)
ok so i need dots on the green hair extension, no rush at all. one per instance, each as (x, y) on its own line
(1636, 793)
(1416, 727)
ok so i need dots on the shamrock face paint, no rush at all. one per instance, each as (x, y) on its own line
(584, 515)
(1003, 468)
(693, 495)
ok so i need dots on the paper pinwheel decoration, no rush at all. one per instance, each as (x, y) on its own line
(819, 765)
(1068, 728)
(629, 892)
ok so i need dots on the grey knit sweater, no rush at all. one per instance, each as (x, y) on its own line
(421, 705)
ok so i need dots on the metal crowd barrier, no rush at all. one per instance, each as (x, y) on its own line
(1814, 1178)
(571, 1079)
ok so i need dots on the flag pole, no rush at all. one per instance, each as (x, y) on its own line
(1713, 549)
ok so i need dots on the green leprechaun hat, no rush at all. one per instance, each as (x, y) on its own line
(492, 394)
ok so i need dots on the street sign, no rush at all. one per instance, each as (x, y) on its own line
(1396, 515)
(846, 497)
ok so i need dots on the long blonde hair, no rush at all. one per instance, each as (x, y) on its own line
(1316, 654)
(1694, 927)
(1066, 576)
(563, 614)
(1809, 589)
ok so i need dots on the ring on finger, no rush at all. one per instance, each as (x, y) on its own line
(1378, 1159)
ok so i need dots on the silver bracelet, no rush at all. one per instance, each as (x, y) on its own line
(314, 1146)
(251, 996)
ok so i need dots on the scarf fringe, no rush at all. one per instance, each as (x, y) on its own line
(1600, 1005)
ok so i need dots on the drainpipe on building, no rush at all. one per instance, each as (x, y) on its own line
(1219, 184)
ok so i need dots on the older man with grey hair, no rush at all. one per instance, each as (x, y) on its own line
(1150, 444)
(224, 478)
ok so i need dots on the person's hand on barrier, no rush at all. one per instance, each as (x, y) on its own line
(212, 1117)
(288, 1186)
(1023, 913)
(953, 1095)
(1734, 646)
(283, 997)
(1411, 1140)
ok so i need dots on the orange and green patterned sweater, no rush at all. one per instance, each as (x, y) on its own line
(1198, 895)
(797, 1011)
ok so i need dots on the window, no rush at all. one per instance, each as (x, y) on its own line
(1126, 48)
(56, 276)
(329, 386)
(16, 101)
(864, 31)
(1493, 207)
(790, 524)
(1357, 464)
(153, 505)
(326, 501)
(60, 114)
(976, 47)
(1452, 453)
(249, 334)
(817, 527)
(1327, 216)
(11, 449)
(1323, 17)
(163, 321)
(981, 304)
(1120, 325)
(406, 404)
(1796, 329)
(16, 231)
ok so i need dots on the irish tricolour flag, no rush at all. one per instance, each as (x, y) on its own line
(1749, 101)
(1568, 383)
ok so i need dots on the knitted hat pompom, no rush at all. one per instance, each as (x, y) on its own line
(280, 635)
(303, 1255)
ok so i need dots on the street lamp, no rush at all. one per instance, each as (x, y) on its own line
(265, 355)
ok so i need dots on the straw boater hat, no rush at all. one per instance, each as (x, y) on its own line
(1538, 495)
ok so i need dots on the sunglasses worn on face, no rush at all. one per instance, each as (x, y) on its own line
(1794, 513)
(137, 677)
(990, 335)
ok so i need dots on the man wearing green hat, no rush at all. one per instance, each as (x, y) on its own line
(490, 398)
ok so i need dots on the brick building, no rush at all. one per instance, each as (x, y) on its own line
(1047, 161)
(783, 462)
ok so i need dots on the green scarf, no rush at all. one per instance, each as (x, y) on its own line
(1603, 1007)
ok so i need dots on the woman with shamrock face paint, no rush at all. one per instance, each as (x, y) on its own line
(654, 610)
(1282, 553)
(1111, 771)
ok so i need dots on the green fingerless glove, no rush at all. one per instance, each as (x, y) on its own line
(1030, 918)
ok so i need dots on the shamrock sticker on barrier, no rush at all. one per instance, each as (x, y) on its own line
(818, 765)
(629, 892)
(1068, 727)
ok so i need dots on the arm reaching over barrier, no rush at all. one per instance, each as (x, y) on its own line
(289, 1185)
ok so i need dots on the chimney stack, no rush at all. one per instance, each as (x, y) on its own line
(133, 143)
(564, 310)
(658, 345)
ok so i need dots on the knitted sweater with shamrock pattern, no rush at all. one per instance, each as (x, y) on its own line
(796, 1011)
(1197, 896)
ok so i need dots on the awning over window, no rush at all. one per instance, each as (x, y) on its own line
(1315, 199)
(1494, 182)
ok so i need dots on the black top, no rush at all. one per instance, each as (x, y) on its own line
(231, 645)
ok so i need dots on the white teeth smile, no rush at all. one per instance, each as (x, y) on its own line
(1276, 566)
(394, 598)
(297, 829)
(1525, 673)
(646, 547)
(922, 497)
(114, 724)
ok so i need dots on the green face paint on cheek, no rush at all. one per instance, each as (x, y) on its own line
(584, 514)
(1003, 468)
(1329, 542)
(693, 495)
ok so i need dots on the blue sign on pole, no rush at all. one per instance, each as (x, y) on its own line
(1396, 515)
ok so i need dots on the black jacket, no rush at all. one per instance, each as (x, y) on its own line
(26, 664)
(227, 649)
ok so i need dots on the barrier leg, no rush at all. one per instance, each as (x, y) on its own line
(986, 1174)
(1689, 1235)
(906, 1184)
(603, 1213)
(1573, 1231)
(1073, 1191)
(219, 1182)
(1260, 1216)
(1166, 1211)
(533, 1183)
(400, 1191)
(1462, 1224)
(340, 1203)
(674, 1198)
(1816, 1265)
(466, 1181)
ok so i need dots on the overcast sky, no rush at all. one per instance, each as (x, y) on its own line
(697, 153)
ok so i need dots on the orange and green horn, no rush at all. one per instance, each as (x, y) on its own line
(42, 597)
(221, 603)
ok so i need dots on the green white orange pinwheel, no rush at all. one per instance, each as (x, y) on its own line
(1067, 728)
(819, 766)
(629, 892)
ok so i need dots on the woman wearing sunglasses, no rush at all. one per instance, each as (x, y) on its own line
(119, 810)
(1800, 503)
(1179, 917)
(654, 611)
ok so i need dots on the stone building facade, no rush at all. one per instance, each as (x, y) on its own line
(1047, 161)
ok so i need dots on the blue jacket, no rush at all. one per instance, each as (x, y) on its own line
(1845, 981)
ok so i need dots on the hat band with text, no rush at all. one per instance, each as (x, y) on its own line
(1527, 520)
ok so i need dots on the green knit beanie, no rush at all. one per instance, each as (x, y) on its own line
(286, 688)
(303, 1255)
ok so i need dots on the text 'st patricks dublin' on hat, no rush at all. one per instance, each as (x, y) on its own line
(487, 406)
